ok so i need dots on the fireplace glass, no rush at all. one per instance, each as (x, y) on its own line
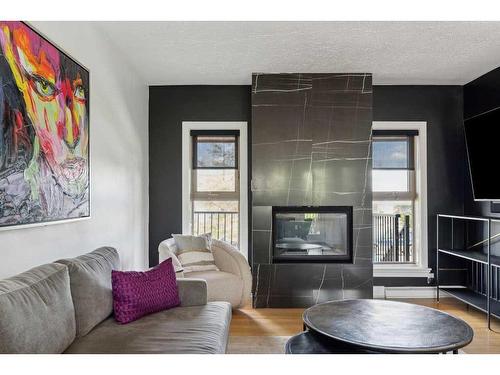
(312, 234)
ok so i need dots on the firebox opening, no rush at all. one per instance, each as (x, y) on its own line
(312, 234)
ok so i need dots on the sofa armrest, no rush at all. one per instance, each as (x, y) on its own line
(229, 259)
(192, 292)
(167, 249)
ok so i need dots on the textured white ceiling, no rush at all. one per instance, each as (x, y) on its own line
(182, 53)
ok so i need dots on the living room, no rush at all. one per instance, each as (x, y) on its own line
(270, 185)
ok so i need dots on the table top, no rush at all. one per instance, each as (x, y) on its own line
(389, 326)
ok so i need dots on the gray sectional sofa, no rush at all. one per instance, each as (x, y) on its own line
(66, 307)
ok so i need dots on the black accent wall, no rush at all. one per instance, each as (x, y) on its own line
(441, 107)
(169, 106)
(311, 145)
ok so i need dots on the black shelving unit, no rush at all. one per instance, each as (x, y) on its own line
(481, 301)
(475, 299)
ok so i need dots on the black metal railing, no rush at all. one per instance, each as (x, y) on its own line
(392, 239)
(223, 225)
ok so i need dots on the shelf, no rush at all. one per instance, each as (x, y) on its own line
(469, 296)
(474, 299)
(475, 218)
(476, 256)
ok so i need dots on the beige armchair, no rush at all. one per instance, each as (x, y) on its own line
(232, 283)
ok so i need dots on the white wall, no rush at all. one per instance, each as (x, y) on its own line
(119, 162)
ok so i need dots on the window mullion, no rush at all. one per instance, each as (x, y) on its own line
(210, 196)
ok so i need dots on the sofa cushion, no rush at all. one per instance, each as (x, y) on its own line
(36, 311)
(221, 286)
(192, 292)
(194, 329)
(90, 276)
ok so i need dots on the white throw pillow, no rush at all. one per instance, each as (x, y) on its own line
(195, 252)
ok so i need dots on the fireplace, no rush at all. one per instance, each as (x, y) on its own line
(312, 234)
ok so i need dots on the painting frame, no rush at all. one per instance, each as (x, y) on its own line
(88, 215)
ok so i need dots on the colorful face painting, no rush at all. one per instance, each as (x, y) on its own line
(44, 130)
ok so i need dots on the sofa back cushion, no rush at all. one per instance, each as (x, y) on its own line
(90, 277)
(36, 311)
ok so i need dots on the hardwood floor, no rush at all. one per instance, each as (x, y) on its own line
(288, 322)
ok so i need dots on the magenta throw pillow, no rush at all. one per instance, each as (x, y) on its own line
(136, 294)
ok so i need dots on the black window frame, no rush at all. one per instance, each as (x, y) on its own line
(397, 136)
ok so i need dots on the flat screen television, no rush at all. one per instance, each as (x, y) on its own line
(482, 137)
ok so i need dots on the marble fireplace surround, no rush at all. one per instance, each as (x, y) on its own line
(311, 146)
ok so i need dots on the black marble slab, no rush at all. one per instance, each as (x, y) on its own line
(311, 146)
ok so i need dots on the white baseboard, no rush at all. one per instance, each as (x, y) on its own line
(379, 292)
(388, 292)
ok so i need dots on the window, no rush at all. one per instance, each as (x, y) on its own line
(394, 195)
(215, 186)
(215, 150)
(400, 188)
(215, 180)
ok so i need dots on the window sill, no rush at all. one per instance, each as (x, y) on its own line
(401, 270)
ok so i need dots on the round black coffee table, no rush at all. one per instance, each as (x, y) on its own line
(386, 327)
(310, 342)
